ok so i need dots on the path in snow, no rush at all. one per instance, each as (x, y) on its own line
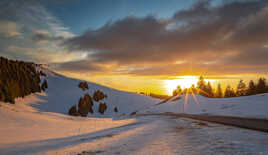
(170, 135)
(147, 135)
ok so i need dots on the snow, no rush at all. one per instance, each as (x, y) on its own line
(52, 133)
(38, 124)
(63, 92)
(255, 106)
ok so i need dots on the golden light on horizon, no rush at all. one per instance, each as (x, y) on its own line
(184, 82)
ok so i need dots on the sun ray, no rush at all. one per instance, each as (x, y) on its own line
(185, 101)
(195, 98)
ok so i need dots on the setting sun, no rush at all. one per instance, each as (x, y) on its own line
(183, 81)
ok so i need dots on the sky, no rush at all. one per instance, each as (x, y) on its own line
(136, 45)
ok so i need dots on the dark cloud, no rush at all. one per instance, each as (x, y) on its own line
(82, 66)
(232, 32)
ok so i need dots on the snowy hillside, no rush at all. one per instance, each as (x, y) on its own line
(63, 92)
(255, 106)
(38, 124)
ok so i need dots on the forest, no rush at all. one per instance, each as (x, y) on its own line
(205, 89)
(19, 79)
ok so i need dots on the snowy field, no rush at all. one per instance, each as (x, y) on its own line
(255, 106)
(38, 124)
(27, 132)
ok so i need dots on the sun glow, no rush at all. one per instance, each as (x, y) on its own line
(183, 81)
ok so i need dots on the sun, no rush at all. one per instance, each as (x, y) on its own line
(183, 81)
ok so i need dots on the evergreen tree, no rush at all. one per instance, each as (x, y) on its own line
(202, 88)
(209, 90)
(232, 93)
(219, 91)
(252, 89)
(261, 86)
(241, 88)
(177, 91)
(201, 84)
(229, 92)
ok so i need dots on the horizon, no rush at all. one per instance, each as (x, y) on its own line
(138, 46)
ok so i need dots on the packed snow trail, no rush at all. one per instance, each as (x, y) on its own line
(170, 135)
(151, 135)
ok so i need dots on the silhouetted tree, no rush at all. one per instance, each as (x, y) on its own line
(219, 93)
(229, 92)
(177, 91)
(202, 87)
(252, 89)
(241, 89)
(261, 86)
(201, 84)
(209, 90)
(193, 89)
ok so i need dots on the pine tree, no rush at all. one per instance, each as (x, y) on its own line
(177, 91)
(209, 90)
(202, 87)
(201, 84)
(261, 86)
(229, 92)
(193, 89)
(232, 93)
(241, 88)
(252, 89)
(219, 91)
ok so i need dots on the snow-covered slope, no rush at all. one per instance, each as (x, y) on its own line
(255, 106)
(63, 92)
(38, 124)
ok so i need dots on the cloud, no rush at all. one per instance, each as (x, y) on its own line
(42, 35)
(229, 37)
(9, 29)
(208, 36)
(29, 32)
(82, 66)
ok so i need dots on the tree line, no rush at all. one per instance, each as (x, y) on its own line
(205, 89)
(19, 79)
